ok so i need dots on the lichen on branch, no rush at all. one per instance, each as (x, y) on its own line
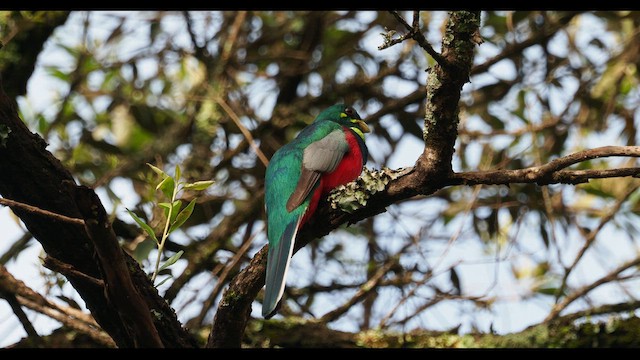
(354, 195)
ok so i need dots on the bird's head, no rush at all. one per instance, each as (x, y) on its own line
(345, 116)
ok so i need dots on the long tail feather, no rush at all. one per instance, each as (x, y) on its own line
(278, 261)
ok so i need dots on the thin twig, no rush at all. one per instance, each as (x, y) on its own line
(415, 34)
(546, 192)
(73, 318)
(428, 275)
(36, 210)
(16, 248)
(365, 289)
(437, 298)
(222, 278)
(199, 50)
(591, 237)
(611, 276)
(229, 46)
(243, 129)
(517, 48)
(69, 271)
(80, 326)
(456, 235)
(600, 310)
(22, 317)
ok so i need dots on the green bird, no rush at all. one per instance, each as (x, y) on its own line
(329, 152)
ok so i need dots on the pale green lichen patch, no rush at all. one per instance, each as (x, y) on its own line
(371, 339)
(355, 194)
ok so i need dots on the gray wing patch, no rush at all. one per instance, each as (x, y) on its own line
(325, 154)
(319, 157)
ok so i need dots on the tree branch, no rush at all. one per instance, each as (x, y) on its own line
(234, 309)
(517, 48)
(362, 292)
(414, 33)
(73, 318)
(34, 338)
(590, 238)
(29, 174)
(611, 276)
(16, 248)
(552, 173)
(200, 51)
(430, 173)
(444, 84)
(558, 334)
(600, 310)
(121, 291)
(36, 210)
(69, 271)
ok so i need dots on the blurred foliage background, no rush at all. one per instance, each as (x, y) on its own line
(219, 92)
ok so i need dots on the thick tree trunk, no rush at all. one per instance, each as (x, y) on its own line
(30, 174)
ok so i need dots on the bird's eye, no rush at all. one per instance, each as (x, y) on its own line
(349, 111)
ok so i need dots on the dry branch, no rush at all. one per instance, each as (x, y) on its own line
(73, 318)
(552, 172)
(36, 210)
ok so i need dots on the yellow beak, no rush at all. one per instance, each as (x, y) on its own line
(363, 126)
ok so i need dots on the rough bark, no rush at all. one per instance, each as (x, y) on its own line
(32, 175)
(133, 311)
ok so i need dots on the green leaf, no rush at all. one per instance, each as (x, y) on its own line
(163, 281)
(167, 185)
(183, 216)
(138, 138)
(177, 173)
(43, 125)
(143, 249)
(73, 51)
(57, 73)
(158, 171)
(143, 225)
(177, 205)
(627, 84)
(172, 260)
(551, 291)
(199, 185)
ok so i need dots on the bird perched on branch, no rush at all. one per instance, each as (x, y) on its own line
(329, 152)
